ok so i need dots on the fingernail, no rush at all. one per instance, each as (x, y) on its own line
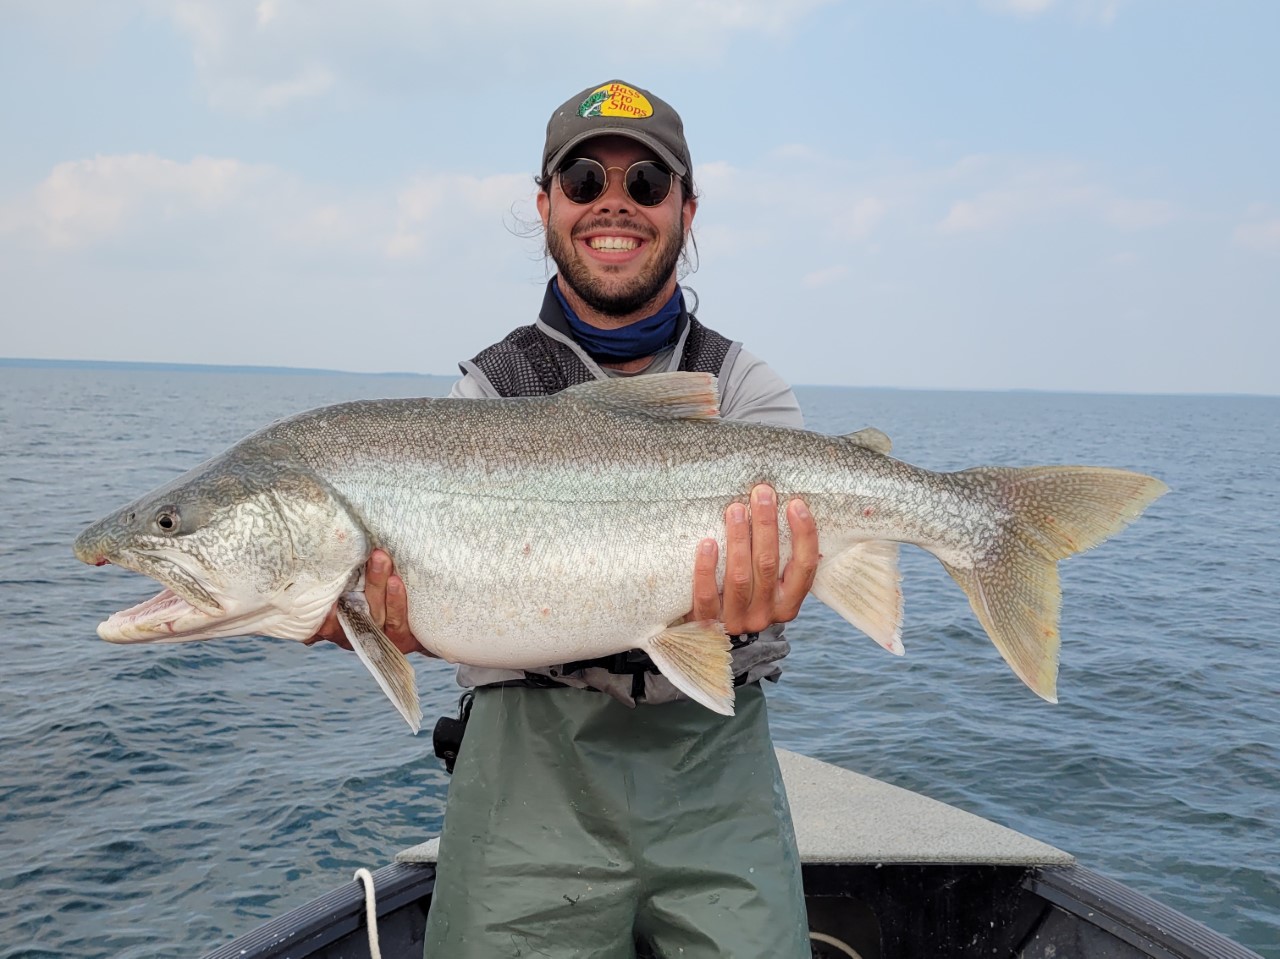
(802, 511)
(737, 513)
(707, 547)
(764, 496)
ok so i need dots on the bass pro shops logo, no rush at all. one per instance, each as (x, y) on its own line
(616, 100)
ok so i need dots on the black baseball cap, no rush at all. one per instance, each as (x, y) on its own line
(619, 109)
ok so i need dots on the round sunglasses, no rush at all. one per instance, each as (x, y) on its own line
(647, 181)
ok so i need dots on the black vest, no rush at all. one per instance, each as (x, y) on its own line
(527, 362)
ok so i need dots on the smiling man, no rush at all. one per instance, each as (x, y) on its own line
(595, 811)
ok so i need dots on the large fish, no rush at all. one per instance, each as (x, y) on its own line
(531, 532)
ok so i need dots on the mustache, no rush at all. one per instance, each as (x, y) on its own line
(613, 223)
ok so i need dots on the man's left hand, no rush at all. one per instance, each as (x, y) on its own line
(756, 595)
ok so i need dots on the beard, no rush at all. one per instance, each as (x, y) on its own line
(605, 294)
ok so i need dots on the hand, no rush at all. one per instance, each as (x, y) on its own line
(388, 605)
(755, 597)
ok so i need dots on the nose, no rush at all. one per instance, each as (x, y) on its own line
(615, 198)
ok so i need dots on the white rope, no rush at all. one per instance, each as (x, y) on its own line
(844, 947)
(370, 911)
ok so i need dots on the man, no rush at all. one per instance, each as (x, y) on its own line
(593, 806)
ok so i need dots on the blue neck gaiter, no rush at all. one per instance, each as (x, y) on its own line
(642, 338)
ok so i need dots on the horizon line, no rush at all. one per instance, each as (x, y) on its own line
(159, 366)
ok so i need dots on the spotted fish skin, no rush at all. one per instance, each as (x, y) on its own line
(531, 532)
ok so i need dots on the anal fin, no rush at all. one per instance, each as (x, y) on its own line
(389, 666)
(695, 658)
(864, 586)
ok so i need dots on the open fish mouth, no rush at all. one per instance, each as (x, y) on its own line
(165, 617)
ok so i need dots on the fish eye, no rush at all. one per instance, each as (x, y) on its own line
(167, 518)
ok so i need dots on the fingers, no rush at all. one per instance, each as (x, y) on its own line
(396, 623)
(388, 607)
(737, 569)
(330, 631)
(377, 571)
(706, 591)
(797, 578)
(755, 596)
(764, 558)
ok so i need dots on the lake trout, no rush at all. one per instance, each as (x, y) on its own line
(532, 532)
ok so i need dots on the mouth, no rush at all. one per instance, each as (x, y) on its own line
(164, 617)
(613, 243)
(184, 609)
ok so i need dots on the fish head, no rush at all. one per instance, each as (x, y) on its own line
(241, 549)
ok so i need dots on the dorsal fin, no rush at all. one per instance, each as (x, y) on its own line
(872, 439)
(669, 395)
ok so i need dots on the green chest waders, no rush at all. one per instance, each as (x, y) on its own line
(577, 826)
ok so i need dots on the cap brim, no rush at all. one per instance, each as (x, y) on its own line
(640, 136)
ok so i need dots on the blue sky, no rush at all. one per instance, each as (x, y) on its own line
(979, 194)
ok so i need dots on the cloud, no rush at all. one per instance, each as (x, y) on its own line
(83, 202)
(141, 203)
(1261, 236)
(1096, 11)
(259, 56)
(432, 200)
(824, 277)
(1025, 191)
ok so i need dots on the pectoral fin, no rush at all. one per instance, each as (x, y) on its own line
(390, 667)
(695, 657)
(864, 586)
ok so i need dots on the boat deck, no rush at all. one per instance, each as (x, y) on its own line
(841, 816)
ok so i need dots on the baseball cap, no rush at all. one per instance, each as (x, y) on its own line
(619, 109)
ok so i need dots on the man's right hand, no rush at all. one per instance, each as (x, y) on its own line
(388, 605)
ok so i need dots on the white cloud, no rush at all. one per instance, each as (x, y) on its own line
(1097, 11)
(1018, 192)
(824, 277)
(431, 201)
(1022, 8)
(1262, 236)
(87, 201)
(831, 202)
(142, 202)
(256, 56)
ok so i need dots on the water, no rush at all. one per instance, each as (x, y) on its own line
(156, 801)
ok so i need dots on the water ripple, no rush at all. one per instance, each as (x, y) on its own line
(157, 801)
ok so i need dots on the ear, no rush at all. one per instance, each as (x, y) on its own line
(544, 206)
(689, 209)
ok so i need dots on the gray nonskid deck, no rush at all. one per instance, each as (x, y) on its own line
(841, 816)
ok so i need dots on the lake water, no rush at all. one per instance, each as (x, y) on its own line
(157, 801)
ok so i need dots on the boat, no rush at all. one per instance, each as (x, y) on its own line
(888, 874)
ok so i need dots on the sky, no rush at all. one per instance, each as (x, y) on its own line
(1071, 195)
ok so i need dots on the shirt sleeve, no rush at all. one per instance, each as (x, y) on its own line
(753, 392)
(471, 388)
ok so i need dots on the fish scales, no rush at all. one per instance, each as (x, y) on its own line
(539, 531)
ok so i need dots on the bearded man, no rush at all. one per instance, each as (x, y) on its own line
(594, 810)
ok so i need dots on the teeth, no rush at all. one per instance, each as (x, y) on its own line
(612, 243)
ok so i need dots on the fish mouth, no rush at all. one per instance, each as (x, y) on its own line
(185, 609)
(165, 617)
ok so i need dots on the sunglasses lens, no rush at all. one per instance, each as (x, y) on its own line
(648, 183)
(582, 180)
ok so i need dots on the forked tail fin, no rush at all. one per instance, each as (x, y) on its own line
(1054, 512)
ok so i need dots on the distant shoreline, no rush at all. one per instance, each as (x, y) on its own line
(17, 362)
(141, 366)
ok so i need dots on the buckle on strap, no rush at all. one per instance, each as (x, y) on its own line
(446, 738)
